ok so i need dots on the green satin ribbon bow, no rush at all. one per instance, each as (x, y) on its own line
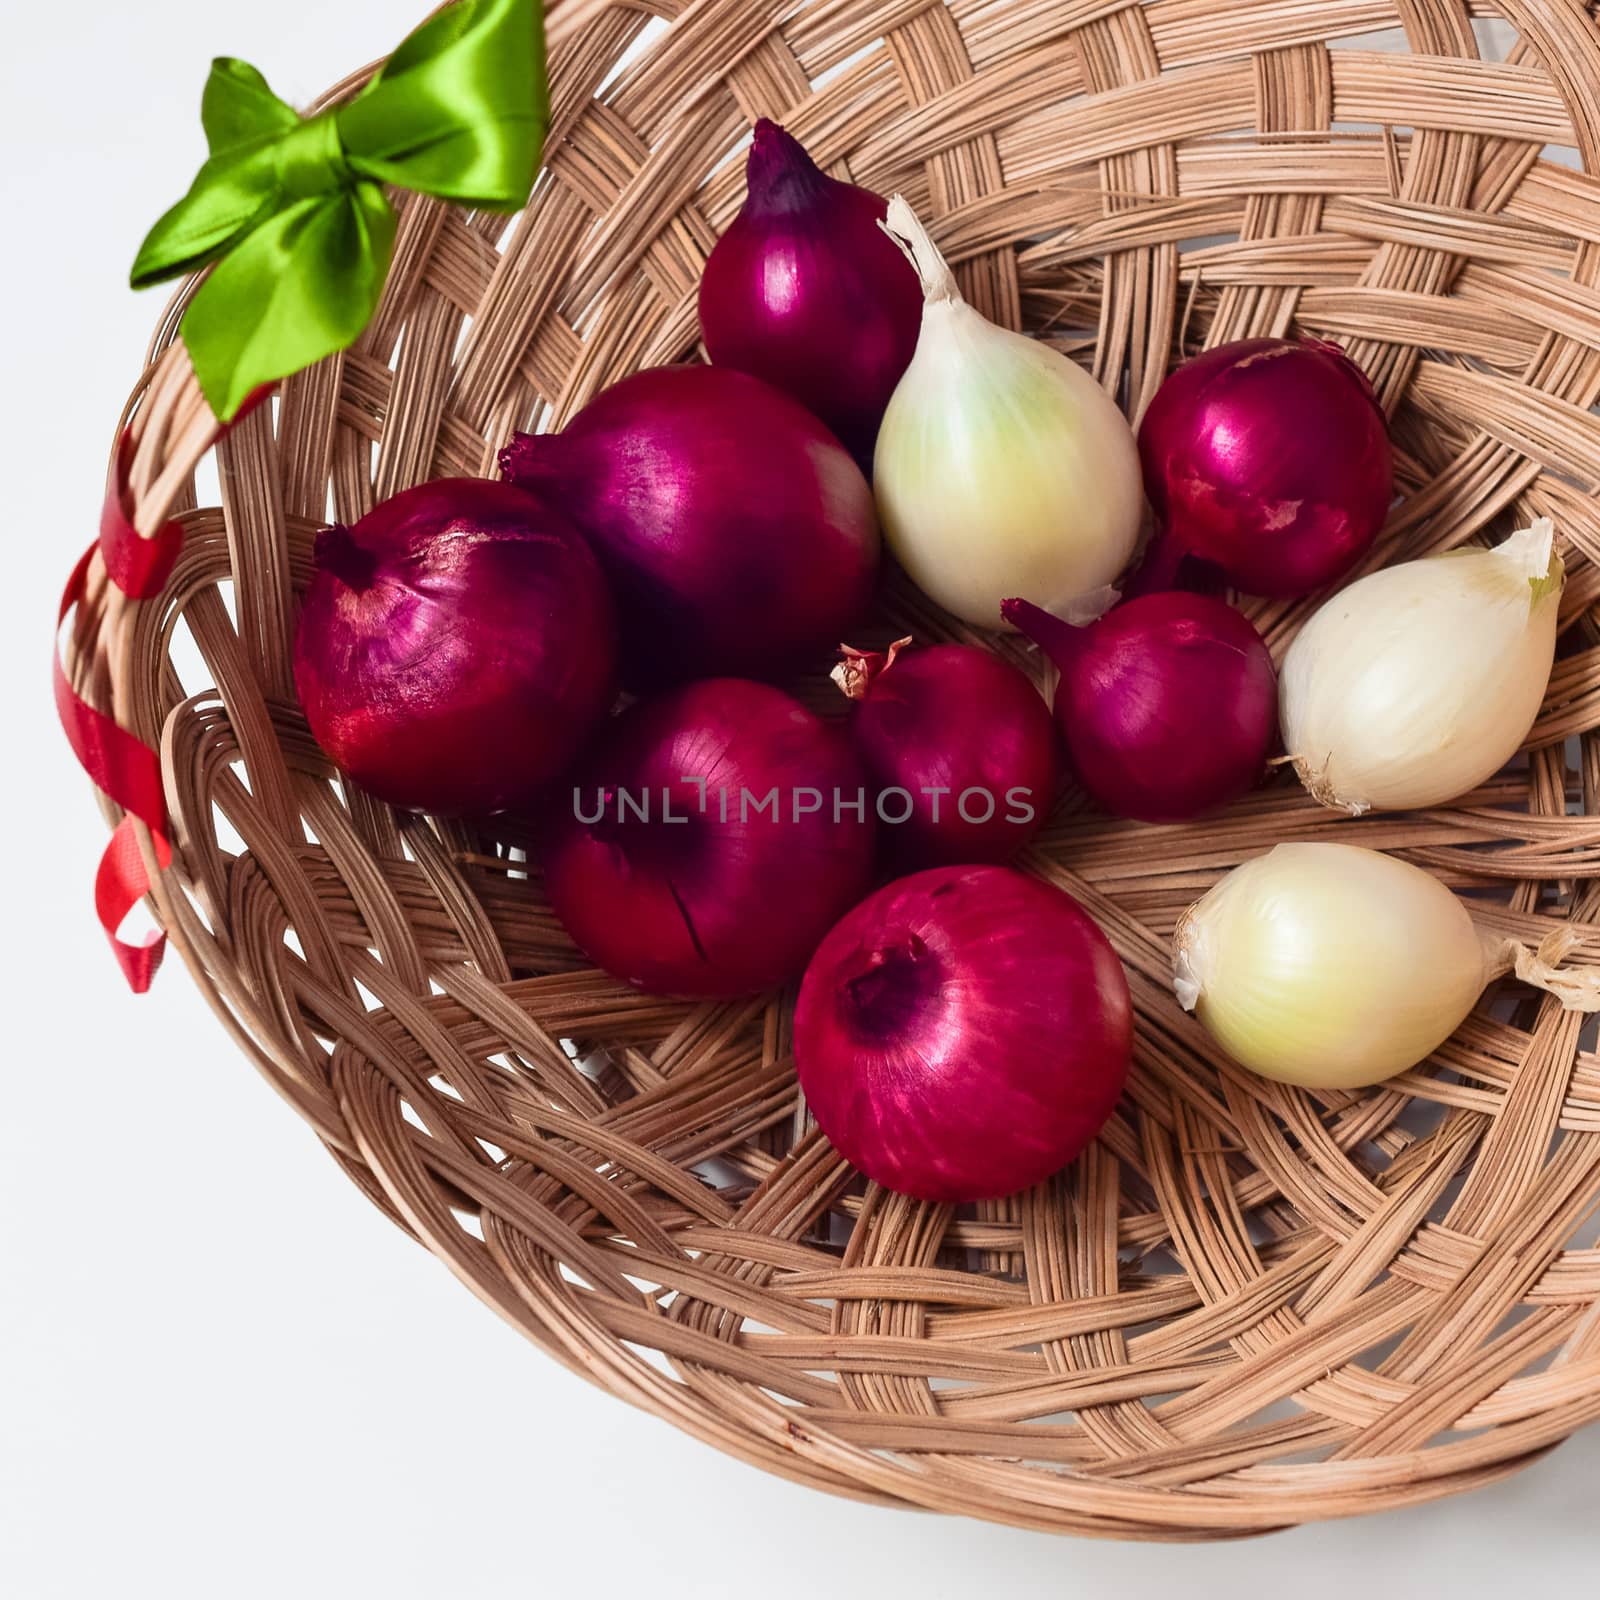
(292, 209)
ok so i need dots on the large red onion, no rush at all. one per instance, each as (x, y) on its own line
(1168, 703)
(715, 890)
(963, 1033)
(456, 647)
(808, 292)
(1272, 459)
(738, 534)
(959, 747)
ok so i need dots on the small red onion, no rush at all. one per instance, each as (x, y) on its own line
(738, 534)
(808, 292)
(456, 647)
(1169, 703)
(956, 742)
(714, 891)
(963, 1033)
(1272, 459)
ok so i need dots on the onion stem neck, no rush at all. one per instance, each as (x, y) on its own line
(1351, 368)
(1528, 552)
(1577, 988)
(938, 282)
(529, 458)
(1061, 641)
(779, 175)
(858, 670)
(338, 553)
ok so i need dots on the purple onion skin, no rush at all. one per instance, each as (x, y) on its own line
(1169, 704)
(806, 291)
(1272, 459)
(707, 908)
(959, 718)
(738, 535)
(456, 648)
(963, 1033)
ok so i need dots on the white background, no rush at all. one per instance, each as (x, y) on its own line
(222, 1373)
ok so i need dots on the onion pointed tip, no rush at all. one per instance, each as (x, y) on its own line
(1059, 640)
(509, 460)
(773, 143)
(779, 167)
(901, 224)
(1531, 549)
(1331, 347)
(858, 670)
(337, 552)
(1577, 988)
(526, 458)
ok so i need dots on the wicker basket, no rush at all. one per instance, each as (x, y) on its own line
(1247, 1306)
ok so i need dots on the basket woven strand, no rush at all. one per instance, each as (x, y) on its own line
(1247, 1306)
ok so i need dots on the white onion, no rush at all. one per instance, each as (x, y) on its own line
(1332, 966)
(1002, 468)
(1418, 683)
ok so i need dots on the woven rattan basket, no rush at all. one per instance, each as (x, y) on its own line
(1246, 1306)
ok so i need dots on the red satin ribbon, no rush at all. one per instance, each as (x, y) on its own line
(124, 767)
(139, 567)
(119, 885)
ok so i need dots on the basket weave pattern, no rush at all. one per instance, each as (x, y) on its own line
(1247, 1306)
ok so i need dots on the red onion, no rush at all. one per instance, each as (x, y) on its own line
(963, 1033)
(738, 534)
(456, 647)
(808, 292)
(1168, 703)
(1272, 459)
(959, 747)
(717, 889)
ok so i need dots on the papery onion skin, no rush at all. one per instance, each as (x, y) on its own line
(1271, 458)
(1329, 966)
(707, 908)
(1001, 467)
(963, 1033)
(738, 535)
(1168, 704)
(456, 647)
(1419, 682)
(805, 290)
(957, 718)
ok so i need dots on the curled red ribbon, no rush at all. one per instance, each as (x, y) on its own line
(126, 768)
(122, 766)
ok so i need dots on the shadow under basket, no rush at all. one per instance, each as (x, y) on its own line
(1247, 1306)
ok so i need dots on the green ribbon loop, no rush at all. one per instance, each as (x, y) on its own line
(291, 213)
